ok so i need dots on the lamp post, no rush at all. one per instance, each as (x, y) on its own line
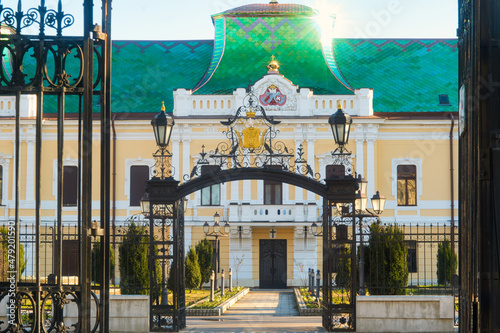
(216, 232)
(162, 127)
(340, 123)
(378, 203)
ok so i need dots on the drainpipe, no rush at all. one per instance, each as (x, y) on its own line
(113, 187)
(452, 204)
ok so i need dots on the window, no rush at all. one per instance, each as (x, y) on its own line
(139, 175)
(210, 195)
(273, 189)
(1, 183)
(444, 100)
(412, 256)
(407, 185)
(70, 185)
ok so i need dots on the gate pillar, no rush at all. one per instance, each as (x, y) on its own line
(167, 312)
(339, 255)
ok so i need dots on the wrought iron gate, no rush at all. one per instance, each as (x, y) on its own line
(339, 256)
(58, 71)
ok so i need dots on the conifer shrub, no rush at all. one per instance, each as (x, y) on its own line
(97, 264)
(204, 250)
(134, 263)
(445, 270)
(4, 254)
(343, 277)
(386, 267)
(192, 273)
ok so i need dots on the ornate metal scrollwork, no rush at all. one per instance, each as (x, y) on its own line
(252, 142)
(44, 17)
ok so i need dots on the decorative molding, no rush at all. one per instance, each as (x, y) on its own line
(66, 162)
(412, 161)
(5, 163)
(285, 86)
(299, 233)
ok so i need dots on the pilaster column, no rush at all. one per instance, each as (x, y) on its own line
(176, 159)
(311, 162)
(30, 165)
(371, 136)
(359, 137)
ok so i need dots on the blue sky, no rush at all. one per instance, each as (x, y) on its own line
(190, 19)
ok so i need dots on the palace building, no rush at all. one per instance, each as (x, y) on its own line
(401, 94)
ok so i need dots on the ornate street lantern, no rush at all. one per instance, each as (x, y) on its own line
(145, 205)
(340, 122)
(162, 126)
(378, 203)
(314, 228)
(361, 201)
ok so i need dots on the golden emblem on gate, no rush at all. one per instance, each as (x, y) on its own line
(251, 137)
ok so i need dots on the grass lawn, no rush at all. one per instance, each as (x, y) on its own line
(193, 296)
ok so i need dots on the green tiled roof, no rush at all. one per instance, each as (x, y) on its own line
(249, 43)
(145, 73)
(406, 75)
(271, 8)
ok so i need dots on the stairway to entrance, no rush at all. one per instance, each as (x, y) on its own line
(260, 310)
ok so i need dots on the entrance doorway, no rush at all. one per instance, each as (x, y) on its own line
(272, 263)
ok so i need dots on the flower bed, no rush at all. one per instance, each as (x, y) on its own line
(219, 305)
(307, 304)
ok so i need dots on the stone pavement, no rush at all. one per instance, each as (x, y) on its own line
(259, 311)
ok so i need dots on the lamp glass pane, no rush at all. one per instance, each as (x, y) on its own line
(340, 134)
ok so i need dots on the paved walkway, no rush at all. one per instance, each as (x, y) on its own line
(259, 311)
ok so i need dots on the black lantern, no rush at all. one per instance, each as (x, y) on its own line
(314, 228)
(162, 125)
(145, 205)
(378, 203)
(340, 122)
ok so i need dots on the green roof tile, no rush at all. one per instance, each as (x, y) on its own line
(407, 75)
(251, 41)
(145, 73)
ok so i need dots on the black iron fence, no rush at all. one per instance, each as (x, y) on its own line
(129, 251)
(408, 259)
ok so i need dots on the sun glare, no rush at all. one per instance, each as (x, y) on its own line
(325, 19)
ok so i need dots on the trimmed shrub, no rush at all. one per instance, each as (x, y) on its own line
(134, 263)
(386, 267)
(204, 250)
(97, 264)
(445, 270)
(193, 274)
(343, 277)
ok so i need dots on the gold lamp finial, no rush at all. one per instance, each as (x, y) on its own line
(163, 106)
(273, 66)
(339, 105)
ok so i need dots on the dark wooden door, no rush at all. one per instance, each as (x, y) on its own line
(272, 266)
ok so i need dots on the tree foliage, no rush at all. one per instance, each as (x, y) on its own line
(386, 267)
(4, 254)
(204, 250)
(445, 270)
(134, 262)
(193, 274)
(343, 277)
(97, 264)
